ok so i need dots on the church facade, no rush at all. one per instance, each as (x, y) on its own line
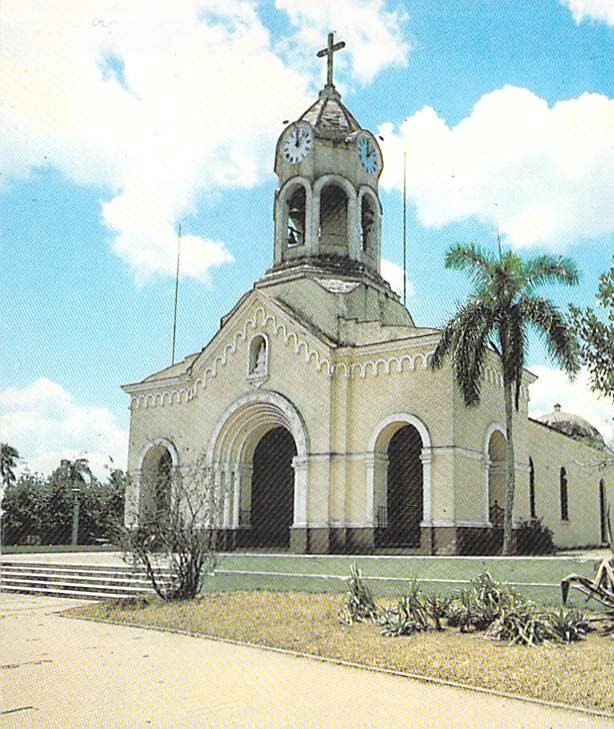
(314, 406)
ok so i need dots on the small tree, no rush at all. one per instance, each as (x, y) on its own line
(177, 549)
(597, 336)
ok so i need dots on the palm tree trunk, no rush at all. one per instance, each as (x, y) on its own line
(510, 481)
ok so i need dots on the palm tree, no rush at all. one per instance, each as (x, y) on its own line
(75, 471)
(8, 462)
(497, 315)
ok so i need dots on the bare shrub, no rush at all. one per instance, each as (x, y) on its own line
(177, 548)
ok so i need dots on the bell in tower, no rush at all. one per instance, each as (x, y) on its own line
(327, 208)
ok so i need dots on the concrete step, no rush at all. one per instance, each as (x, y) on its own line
(102, 579)
(95, 581)
(76, 569)
(52, 583)
(78, 594)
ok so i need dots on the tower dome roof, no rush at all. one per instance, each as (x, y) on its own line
(572, 425)
(329, 116)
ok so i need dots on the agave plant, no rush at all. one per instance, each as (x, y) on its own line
(570, 625)
(360, 605)
(477, 606)
(437, 606)
(522, 622)
(409, 616)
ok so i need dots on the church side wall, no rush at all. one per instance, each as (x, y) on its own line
(551, 451)
(472, 429)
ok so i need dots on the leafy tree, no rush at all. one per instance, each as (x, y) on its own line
(597, 336)
(497, 314)
(8, 463)
(23, 508)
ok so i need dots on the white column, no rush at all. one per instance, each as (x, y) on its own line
(354, 226)
(374, 463)
(486, 463)
(236, 496)
(227, 498)
(313, 240)
(300, 466)
(426, 457)
(132, 499)
(217, 496)
(243, 480)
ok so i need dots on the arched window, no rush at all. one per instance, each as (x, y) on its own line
(333, 216)
(258, 357)
(367, 223)
(564, 494)
(532, 509)
(296, 218)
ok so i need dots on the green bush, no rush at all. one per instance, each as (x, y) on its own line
(534, 537)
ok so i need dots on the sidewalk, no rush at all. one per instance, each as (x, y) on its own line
(61, 672)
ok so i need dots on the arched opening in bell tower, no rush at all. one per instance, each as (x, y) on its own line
(295, 234)
(333, 219)
(368, 224)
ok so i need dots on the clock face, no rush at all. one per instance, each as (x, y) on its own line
(367, 154)
(297, 143)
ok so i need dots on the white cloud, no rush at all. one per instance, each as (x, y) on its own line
(540, 174)
(45, 425)
(373, 33)
(394, 275)
(591, 9)
(553, 386)
(164, 102)
(159, 102)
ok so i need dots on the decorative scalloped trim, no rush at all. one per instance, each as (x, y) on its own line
(262, 320)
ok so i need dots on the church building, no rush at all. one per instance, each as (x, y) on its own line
(314, 406)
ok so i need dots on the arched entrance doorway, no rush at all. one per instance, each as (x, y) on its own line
(400, 481)
(272, 492)
(404, 499)
(156, 485)
(258, 457)
(497, 447)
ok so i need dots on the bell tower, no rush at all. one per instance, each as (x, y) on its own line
(327, 207)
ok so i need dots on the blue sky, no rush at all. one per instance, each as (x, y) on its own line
(119, 122)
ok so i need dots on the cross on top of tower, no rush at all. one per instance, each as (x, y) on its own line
(329, 51)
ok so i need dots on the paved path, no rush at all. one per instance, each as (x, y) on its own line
(61, 672)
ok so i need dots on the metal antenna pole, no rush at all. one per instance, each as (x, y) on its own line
(176, 290)
(404, 226)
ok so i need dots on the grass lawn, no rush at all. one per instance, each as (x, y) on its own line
(539, 578)
(580, 674)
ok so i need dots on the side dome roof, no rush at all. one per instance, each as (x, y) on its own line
(572, 425)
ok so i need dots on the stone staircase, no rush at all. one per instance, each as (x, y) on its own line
(87, 582)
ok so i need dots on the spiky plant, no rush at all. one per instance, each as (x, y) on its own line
(360, 604)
